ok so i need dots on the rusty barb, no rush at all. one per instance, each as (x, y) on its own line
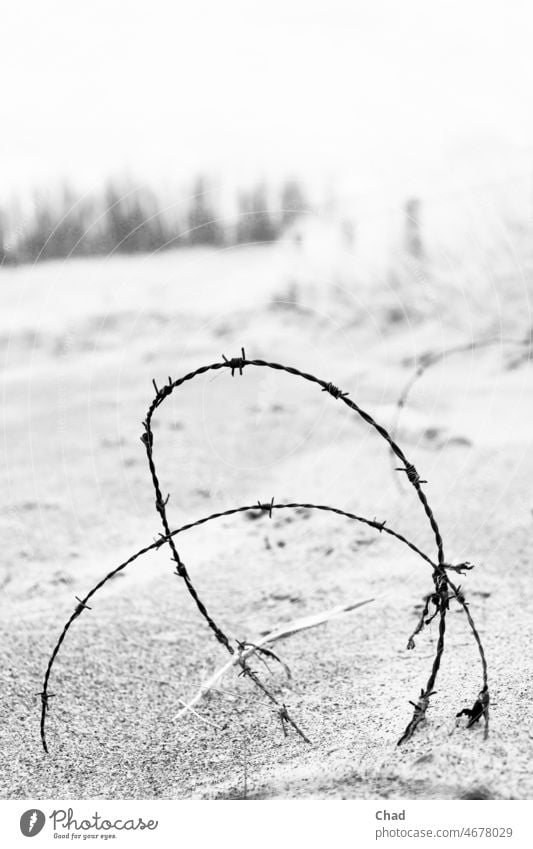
(335, 391)
(266, 508)
(161, 502)
(147, 438)
(419, 715)
(286, 719)
(479, 709)
(425, 619)
(235, 363)
(44, 699)
(423, 702)
(411, 473)
(262, 652)
(461, 568)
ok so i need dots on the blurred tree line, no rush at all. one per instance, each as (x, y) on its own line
(127, 219)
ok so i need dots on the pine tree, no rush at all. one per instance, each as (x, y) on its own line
(255, 223)
(203, 227)
(293, 202)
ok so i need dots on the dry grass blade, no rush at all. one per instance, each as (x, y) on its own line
(306, 622)
(279, 633)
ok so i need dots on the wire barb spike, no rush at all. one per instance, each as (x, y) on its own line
(411, 473)
(334, 390)
(267, 507)
(235, 363)
(44, 699)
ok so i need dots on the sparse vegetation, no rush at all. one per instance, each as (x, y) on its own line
(124, 218)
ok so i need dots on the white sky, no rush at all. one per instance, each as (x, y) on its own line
(364, 92)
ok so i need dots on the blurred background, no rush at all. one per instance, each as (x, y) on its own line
(344, 186)
(369, 137)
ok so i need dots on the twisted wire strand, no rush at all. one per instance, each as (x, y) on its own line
(44, 694)
(378, 526)
(484, 695)
(420, 708)
(432, 359)
(238, 364)
(440, 577)
(423, 366)
(326, 386)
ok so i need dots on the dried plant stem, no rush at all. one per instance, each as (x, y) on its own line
(279, 633)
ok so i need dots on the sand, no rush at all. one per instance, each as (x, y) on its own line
(78, 500)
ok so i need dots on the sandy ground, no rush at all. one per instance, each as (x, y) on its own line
(76, 380)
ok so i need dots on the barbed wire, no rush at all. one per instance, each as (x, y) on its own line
(430, 359)
(162, 540)
(237, 364)
(442, 584)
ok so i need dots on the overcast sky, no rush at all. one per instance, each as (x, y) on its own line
(362, 92)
